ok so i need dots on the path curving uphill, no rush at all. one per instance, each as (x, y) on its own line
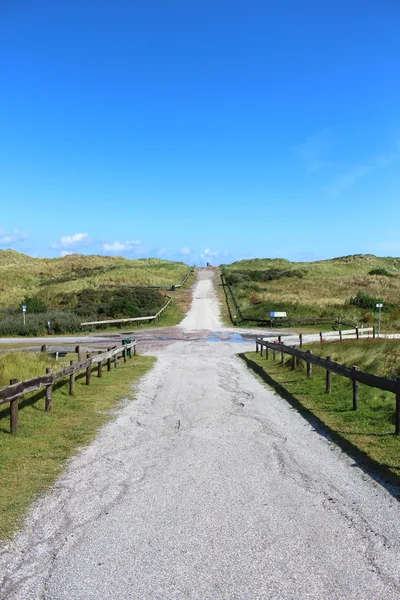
(208, 486)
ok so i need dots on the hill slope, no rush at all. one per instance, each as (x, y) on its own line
(321, 288)
(50, 278)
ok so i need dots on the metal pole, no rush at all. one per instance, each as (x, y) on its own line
(379, 322)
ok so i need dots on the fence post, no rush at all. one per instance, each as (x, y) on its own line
(72, 381)
(309, 366)
(100, 367)
(274, 354)
(261, 349)
(340, 335)
(373, 332)
(357, 333)
(294, 361)
(14, 412)
(124, 354)
(49, 394)
(256, 345)
(282, 358)
(134, 349)
(301, 340)
(397, 427)
(355, 389)
(266, 352)
(328, 379)
(88, 371)
(115, 361)
(109, 360)
(43, 348)
(320, 337)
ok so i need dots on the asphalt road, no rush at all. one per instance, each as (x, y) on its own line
(208, 486)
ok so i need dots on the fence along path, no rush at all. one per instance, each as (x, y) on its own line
(130, 319)
(12, 393)
(357, 376)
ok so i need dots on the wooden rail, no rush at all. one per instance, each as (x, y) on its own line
(130, 319)
(12, 393)
(330, 336)
(357, 376)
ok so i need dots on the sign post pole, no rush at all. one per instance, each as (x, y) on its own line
(379, 306)
(24, 314)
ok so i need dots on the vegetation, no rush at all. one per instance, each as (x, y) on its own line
(65, 291)
(347, 287)
(31, 461)
(370, 428)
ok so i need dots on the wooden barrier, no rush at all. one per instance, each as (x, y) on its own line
(17, 389)
(354, 374)
(129, 320)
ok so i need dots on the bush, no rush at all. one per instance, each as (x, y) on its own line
(36, 324)
(34, 305)
(380, 271)
(363, 300)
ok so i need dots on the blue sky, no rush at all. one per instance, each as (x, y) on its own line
(200, 131)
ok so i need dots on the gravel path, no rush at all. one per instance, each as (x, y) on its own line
(208, 486)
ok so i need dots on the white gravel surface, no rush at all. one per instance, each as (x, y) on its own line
(208, 486)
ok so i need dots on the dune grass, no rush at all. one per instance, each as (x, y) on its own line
(49, 278)
(31, 461)
(371, 428)
(321, 289)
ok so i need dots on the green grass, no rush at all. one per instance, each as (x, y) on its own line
(57, 283)
(50, 278)
(370, 429)
(31, 461)
(324, 290)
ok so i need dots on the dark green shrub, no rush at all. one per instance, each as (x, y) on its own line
(380, 271)
(34, 305)
(363, 300)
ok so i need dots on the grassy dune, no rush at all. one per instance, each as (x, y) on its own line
(321, 288)
(22, 275)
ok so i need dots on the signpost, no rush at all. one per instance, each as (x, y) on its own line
(277, 315)
(24, 313)
(379, 306)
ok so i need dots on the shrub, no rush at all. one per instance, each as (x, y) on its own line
(380, 271)
(363, 300)
(34, 305)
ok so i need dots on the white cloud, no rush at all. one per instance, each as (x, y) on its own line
(7, 239)
(161, 252)
(121, 246)
(185, 250)
(207, 253)
(73, 241)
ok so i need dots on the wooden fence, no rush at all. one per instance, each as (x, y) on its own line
(356, 376)
(130, 320)
(330, 336)
(17, 389)
(275, 322)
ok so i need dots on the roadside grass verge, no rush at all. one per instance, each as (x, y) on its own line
(366, 434)
(31, 461)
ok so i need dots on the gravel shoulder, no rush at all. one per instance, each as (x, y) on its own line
(207, 486)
